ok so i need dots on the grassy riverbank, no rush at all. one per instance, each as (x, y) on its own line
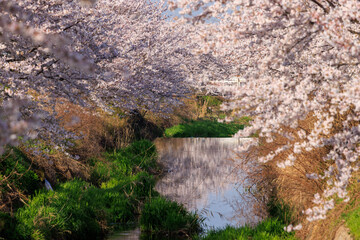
(110, 187)
(114, 198)
(203, 128)
(105, 188)
(162, 217)
(269, 229)
(279, 215)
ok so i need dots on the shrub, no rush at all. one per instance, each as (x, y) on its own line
(163, 216)
(78, 210)
(17, 179)
(74, 211)
(139, 156)
(16, 166)
(7, 226)
(280, 210)
(353, 222)
(204, 128)
(211, 100)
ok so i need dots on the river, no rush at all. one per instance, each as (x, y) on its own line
(205, 175)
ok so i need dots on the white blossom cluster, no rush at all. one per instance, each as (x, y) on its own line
(298, 57)
(105, 53)
(12, 124)
(118, 52)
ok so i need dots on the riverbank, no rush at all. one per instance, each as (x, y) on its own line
(203, 128)
(279, 182)
(103, 186)
(117, 187)
(202, 177)
(112, 182)
(120, 193)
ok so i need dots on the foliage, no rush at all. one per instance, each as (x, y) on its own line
(299, 59)
(16, 168)
(163, 216)
(204, 128)
(267, 229)
(140, 153)
(17, 179)
(79, 210)
(136, 187)
(280, 210)
(112, 55)
(212, 101)
(138, 156)
(73, 210)
(245, 120)
(353, 222)
(7, 226)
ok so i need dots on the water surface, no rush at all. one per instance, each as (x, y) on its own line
(204, 175)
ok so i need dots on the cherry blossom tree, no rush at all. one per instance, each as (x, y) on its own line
(299, 58)
(108, 53)
(79, 53)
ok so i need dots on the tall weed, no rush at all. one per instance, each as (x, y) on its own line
(79, 210)
(17, 179)
(162, 216)
(270, 229)
(203, 128)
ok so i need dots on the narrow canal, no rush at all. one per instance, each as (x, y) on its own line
(204, 175)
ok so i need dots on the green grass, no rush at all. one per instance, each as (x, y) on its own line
(279, 216)
(7, 226)
(212, 101)
(165, 217)
(114, 199)
(353, 222)
(203, 128)
(79, 210)
(222, 116)
(245, 120)
(139, 156)
(82, 210)
(16, 168)
(73, 211)
(266, 230)
(278, 209)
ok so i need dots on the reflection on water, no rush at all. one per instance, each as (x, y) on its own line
(202, 174)
(126, 235)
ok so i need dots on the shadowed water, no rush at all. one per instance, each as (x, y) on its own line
(204, 175)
